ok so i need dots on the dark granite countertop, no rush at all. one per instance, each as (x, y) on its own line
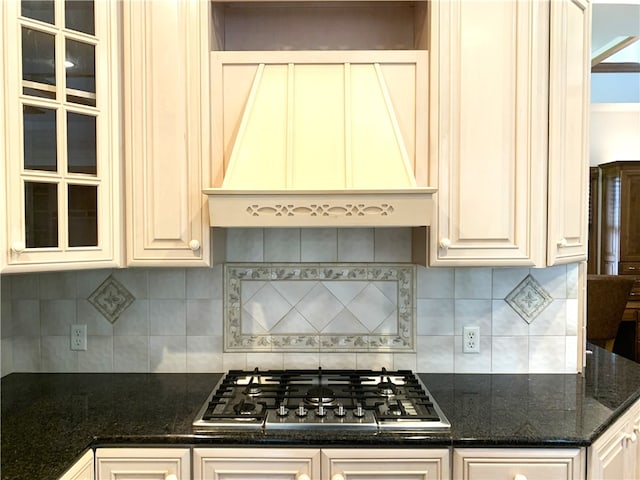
(49, 420)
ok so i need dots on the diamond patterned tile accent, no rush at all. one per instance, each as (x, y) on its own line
(111, 298)
(319, 307)
(528, 299)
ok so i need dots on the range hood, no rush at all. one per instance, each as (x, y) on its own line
(326, 139)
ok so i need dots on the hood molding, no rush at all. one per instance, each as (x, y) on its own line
(331, 139)
(320, 208)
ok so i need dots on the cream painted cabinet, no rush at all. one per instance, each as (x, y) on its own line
(616, 454)
(569, 99)
(143, 463)
(509, 86)
(387, 464)
(59, 135)
(488, 131)
(316, 464)
(256, 463)
(166, 98)
(518, 464)
(82, 469)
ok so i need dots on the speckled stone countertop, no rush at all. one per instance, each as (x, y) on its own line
(49, 420)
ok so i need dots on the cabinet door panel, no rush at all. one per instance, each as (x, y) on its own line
(164, 71)
(255, 464)
(506, 464)
(629, 208)
(62, 136)
(568, 130)
(609, 460)
(82, 469)
(374, 464)
(142, 463)
(488, 142)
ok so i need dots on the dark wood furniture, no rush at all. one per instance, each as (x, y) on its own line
(594, 195)
(620, 220)
(620, 241)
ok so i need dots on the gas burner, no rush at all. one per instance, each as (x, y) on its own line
(244, 408)
(396, 409)
(387, 388)
(320, 396)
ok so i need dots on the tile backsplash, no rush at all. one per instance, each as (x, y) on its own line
(319, 307)
(528, 318)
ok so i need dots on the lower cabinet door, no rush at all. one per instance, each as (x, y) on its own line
(385, 464)
(616, 454)
(143, 463)
(82, 469)
(256, 464)
(518, 464)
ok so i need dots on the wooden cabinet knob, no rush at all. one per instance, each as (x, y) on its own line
(562, 243)
(194, 245)
(337, 476)
(171, 476)
(520, 476)
(445, 243)
(303, 476)
(18, 247)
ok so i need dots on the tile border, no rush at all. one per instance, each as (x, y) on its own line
(235, 341)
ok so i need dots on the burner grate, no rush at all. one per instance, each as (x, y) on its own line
(321, 399)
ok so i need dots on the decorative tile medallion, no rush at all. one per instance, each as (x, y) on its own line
(319, 307)
(528, 299)
(111, 298)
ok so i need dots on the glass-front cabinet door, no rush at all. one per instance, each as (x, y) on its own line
(61, 90)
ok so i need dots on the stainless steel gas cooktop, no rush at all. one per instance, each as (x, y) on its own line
(320, 399)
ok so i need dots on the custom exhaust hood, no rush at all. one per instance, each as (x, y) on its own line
(318, 138)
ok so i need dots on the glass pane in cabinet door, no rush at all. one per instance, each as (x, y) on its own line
(83, 215)
(81, 73)
(38, 63)
(81, 143)
(39, 131)
(78, 15)
(38, 10)
(41, 214)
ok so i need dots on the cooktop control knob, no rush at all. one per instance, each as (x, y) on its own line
(282, 411)
(340, 411)
(321, 411)
(359, 411)
(301, 411)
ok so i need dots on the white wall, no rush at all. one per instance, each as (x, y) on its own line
(614, 132)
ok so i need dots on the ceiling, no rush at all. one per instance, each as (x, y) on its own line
(612, 22)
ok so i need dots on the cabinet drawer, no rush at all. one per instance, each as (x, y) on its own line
(507, 464)
(629, 268)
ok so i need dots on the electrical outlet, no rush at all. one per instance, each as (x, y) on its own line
(471, 339)
(78, 337)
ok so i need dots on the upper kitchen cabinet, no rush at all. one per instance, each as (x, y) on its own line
(569, 80)
(166, 115)
(488, 143)
(509, 86)
(60, 74)
(319, 114)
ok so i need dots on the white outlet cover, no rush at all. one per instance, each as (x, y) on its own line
(471, 340)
